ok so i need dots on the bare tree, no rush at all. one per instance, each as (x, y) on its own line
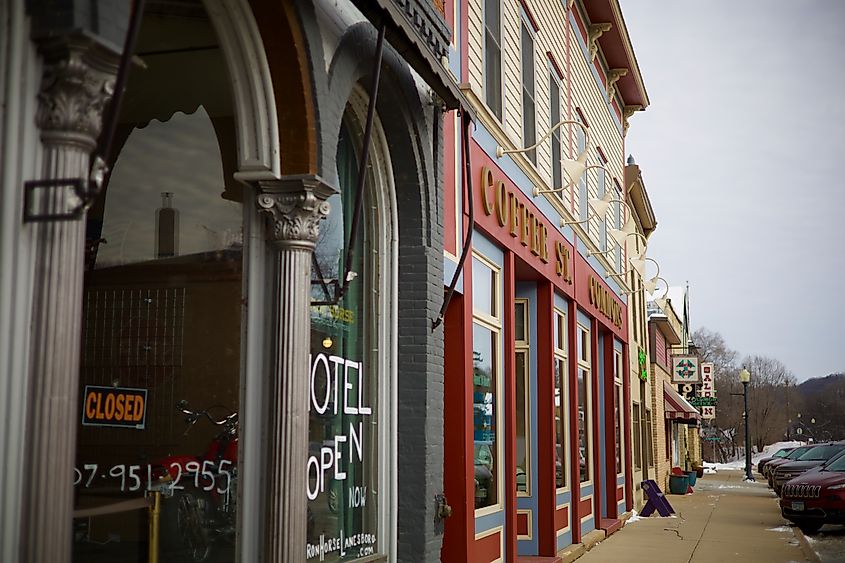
(767, 413)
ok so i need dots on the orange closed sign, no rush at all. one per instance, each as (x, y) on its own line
(114, 406)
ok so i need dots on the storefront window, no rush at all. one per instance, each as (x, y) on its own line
(162, 306)
(486, 348)
(584, 394)
(617, 405)
(561, 398)
(344, 484)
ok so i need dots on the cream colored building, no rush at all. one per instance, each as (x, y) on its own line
(675, 434)
(642, 410)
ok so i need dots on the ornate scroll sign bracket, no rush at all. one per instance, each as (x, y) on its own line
(295, 206)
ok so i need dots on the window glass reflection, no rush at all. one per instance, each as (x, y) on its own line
(485, 430)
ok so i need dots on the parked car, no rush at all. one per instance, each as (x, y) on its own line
(777, 455)
(813, 458)
(769, 468)
(817, 497)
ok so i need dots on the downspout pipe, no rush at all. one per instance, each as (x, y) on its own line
(466, 122)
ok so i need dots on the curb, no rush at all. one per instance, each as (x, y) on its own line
(808, 550)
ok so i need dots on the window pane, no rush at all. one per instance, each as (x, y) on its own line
(493, 74)
(583, 345)
(554, 119)
(560, 422)
(635, 421)
(483, 288)
(617, 401)
(161, 307)
(344, 448)
(584, 423)
(520, 314)
(485, 397)
(523, 471)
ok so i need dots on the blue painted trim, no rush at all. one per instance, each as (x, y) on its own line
(449, 267)
(620, 480)
(488, 248)
(515, 174)
(588, 526)
(620, 508)
(586, 491)
(518, 178)
(490, 521)
(565, 540)
(601, 426)
(561, 302)
(563, 498)
(585, 320)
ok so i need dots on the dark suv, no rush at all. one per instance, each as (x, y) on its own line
(816, 498)
(791, 456)
(777, 455)
(812, 459)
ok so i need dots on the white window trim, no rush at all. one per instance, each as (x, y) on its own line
(494, 324)
(561, 354)
(587, 364)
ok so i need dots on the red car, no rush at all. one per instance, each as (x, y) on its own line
(817, 497)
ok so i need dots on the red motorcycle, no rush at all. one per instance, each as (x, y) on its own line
(199, 493)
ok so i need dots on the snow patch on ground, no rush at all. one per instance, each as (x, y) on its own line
(635, 517)
(739, 464)
(779, 529)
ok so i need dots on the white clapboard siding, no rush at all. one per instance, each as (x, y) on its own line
(475, 41)
(587, 94)
(511, 16)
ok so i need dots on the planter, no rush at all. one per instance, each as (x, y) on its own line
(678, 484)
(693, 477)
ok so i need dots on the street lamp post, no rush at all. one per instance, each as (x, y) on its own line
(745, 377)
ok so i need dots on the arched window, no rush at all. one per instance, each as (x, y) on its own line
(350, 484)
(162, 308)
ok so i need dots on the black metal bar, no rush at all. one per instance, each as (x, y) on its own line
(362, 165)
(110, 119)
(748, 475)
(467, 120)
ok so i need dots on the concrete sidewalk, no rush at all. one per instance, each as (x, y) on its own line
(725, 519)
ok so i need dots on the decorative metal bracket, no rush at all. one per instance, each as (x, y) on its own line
(39, 194)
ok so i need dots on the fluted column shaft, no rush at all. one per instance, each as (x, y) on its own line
(295, 207)
(75, 88)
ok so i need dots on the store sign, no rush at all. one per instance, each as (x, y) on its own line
(602, 299)
(643, 363)
(685, 369)
(515, 215)
(702, 401)
(333, 383)
(708, 390)
(114, 406)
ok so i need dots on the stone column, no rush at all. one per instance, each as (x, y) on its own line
(295, 206)
(77, 83)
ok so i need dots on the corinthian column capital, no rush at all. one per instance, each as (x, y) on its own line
(294, 206)
(77, 83)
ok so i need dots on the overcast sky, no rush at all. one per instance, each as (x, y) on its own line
(742, 154)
